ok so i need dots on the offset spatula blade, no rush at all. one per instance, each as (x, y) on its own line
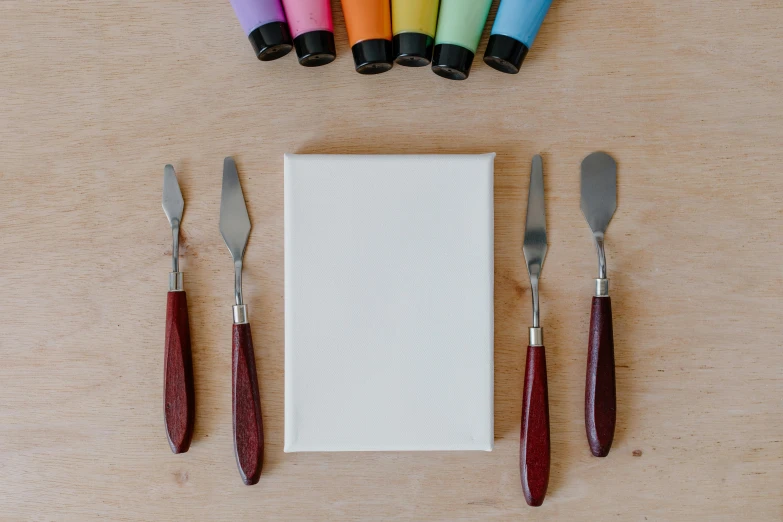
(173, 203)
(599, 190)
(234, 220)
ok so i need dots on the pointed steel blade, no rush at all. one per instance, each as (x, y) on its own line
(534, 246)
(599, 191)
(234, 221)
(173, 204)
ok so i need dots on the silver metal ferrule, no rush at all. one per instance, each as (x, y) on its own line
(536, 336)
(601, 287)
(240, 314)
(176, 282)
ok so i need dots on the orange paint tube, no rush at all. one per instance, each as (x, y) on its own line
(370, 34)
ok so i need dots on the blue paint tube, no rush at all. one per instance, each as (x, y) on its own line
(516, 26)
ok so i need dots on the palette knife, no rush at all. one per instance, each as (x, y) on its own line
(534, 446)
(179, 396)
(248, 427)
(599, 202)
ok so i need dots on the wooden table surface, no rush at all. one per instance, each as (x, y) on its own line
(97, 95)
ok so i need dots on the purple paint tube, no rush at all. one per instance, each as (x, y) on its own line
(265, 25)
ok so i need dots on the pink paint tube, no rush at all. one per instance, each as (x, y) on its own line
(265, 25)
(311, 26)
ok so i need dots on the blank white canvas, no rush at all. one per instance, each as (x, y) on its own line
(389, 302)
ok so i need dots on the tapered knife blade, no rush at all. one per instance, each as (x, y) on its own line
(173, 204)
(234, 220)
(599, 190)
(534, 245)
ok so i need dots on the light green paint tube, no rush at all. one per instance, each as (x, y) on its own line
(460, 24)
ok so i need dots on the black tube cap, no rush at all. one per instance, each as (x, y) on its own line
(372, 56)
(413, 49)
(505, 54)
(271, 41)
(452, 61)
(315, 48)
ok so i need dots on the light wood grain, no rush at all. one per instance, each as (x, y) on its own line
(97, 95)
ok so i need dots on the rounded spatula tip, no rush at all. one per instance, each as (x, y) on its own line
(598, 187)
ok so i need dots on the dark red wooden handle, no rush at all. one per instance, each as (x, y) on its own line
(600, 401)
(248, 427)
(179, 396)
(534, 439)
